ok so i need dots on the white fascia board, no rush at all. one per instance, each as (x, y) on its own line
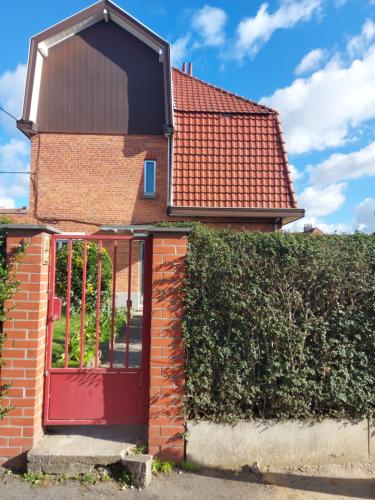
(66, 19)
(133, 31)
(140, 23)
(36, 87)
(63, 35)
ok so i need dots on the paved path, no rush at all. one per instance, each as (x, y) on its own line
(314, 483)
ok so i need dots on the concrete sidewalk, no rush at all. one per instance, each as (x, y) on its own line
(313, 483)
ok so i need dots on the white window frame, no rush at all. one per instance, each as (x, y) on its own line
(145, 193)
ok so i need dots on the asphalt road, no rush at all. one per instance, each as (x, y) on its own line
(313, 483)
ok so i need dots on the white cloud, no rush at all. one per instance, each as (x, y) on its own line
(310, 61)
(359, 43)
(340, 167)
(180, 50)
(325, 192)
(209, 22)
(14, 157)
(253, 32)
(12, 85)
(338, 227)
(296, 174)
(318, 112)
(322, 201)
(6, 201)
(365, 211)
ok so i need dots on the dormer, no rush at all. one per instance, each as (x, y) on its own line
(98, 72)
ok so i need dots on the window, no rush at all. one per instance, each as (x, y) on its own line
(150, 178)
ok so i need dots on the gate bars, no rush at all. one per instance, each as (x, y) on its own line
(99, 239)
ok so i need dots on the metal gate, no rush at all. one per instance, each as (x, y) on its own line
(98, 333)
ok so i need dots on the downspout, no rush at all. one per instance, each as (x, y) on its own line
(170, 170)
(277, 224)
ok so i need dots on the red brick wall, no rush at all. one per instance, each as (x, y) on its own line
(95, 179)
(167, 380)
(24, 350)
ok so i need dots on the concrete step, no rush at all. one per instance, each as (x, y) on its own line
(72, 450)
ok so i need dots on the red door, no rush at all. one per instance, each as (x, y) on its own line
(98, 336)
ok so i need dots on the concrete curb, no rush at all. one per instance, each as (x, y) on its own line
(280, 444)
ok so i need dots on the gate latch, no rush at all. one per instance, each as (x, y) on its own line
(56, 308)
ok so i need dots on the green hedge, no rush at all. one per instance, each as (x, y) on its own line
(279, 326)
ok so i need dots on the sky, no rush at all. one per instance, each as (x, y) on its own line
(311, 60)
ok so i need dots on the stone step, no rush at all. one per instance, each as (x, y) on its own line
(72, 450)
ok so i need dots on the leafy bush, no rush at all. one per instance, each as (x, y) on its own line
(8, 286)
(279, 326)
(91, 274)
(89, 337)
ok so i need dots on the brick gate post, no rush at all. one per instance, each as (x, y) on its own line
(24, 349)
(167, 377)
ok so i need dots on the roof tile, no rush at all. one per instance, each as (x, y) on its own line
(228, 151)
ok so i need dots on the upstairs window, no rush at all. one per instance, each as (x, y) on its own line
(150, 178)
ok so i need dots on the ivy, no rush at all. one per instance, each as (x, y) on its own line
(279, 325)
(8, 286)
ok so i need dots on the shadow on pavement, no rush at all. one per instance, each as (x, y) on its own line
(349, 487)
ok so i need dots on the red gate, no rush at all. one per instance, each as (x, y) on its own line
(97, 357)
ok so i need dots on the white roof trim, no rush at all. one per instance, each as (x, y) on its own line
(106, 15)
(63, 35)
(36, 87)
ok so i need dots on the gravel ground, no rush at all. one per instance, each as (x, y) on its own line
(305, 483)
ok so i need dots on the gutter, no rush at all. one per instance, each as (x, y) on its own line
(285, 214)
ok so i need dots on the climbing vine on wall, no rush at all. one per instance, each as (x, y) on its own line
(8, 286)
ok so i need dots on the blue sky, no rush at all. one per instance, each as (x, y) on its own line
(312, 60)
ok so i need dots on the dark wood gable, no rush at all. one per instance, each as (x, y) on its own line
(102, 80)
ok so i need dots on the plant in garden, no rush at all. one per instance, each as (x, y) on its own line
(279, 325)
(105, 324)
(91, 275)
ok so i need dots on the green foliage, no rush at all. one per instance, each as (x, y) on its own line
(279, 326)
(88, 478)
(188, 466)
(161, 466)
(105, 323)
(139, 450)
(91, 275)
(8, 287)
(35, 478)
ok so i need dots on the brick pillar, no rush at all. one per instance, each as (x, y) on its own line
(24, 349)
(167, 378)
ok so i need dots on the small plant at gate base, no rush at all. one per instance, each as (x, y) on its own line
(139, 450)
(35, 478)
(188, 466)
(88, 478)
(161, 466)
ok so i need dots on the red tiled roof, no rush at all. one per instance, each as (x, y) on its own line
(228, 151)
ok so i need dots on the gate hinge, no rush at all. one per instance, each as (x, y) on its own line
(46, 373)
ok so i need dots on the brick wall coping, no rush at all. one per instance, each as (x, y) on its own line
(147, 228)
(13, 211)
(42, 228)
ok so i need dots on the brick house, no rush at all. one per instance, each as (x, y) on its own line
(120, 140)
(103, 107)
